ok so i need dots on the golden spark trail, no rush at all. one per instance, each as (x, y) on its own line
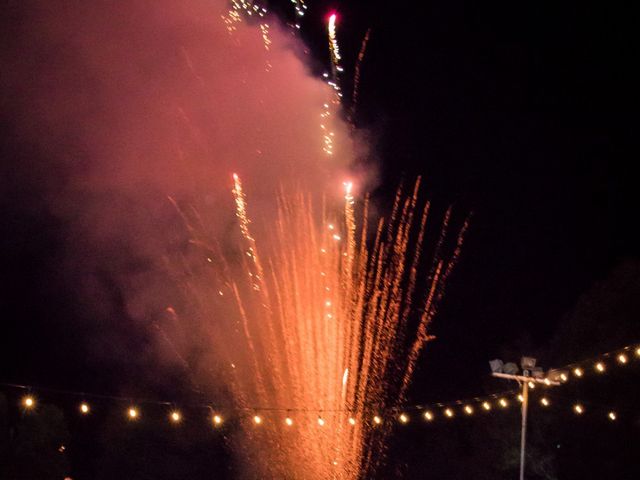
(356, 78)
(320, 326)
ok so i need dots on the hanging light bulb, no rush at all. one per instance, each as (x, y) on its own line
(532, 385)
(612, 416)
(578, 372)
(428, 416)
(175, 416)
(468, 410)
(520, 398)
(503, 403)
(84, 408)
(622, 358)
(28, 402)
(486, 406)
(352, 421)
(403, 418)
(377, 420)
(579, 409)
(448, 412)
(321, 421)
(564, 377)
(288, 421)
(217, 419)
(132, 413)
(600, 367)
(544, 401)
(257, 419)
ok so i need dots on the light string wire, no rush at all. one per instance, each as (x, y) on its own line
(468, 406)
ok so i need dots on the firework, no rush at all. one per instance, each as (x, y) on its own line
(320, 325)
(356, 77)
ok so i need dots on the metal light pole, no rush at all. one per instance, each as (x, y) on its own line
(524, 380)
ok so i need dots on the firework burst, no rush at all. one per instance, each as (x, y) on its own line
(323, 327)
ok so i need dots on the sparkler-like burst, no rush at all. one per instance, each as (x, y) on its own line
(320, 327)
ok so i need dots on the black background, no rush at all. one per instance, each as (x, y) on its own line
(523, 113)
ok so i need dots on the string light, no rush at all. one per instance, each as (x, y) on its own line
(621, 357)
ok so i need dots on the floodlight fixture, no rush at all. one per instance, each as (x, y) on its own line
(496, 365)
(537, 372)
(510, 368)
(528, 363)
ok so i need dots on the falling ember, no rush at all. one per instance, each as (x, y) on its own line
(323, 319)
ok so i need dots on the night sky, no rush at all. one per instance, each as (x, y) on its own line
(522, 114)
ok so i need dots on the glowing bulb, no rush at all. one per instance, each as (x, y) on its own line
(520, 398)
(84, 408)
(544, 401)
(288, 421)
(578, 372)
(468, 409)
(600, 367)
(486, 406)
(257, 420)
(622, 358)
(321, 421)
(579, 409)
(175, 416)
(563, 377)
(403, 418)
(133, 413)
(217, 420)
(532, 385)
(352, 421)
(377, 420)
(547, 381)
(638, 351)
(503, 403)
(612, 416)
(448, 412)
(428, 416)
(28, 401)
